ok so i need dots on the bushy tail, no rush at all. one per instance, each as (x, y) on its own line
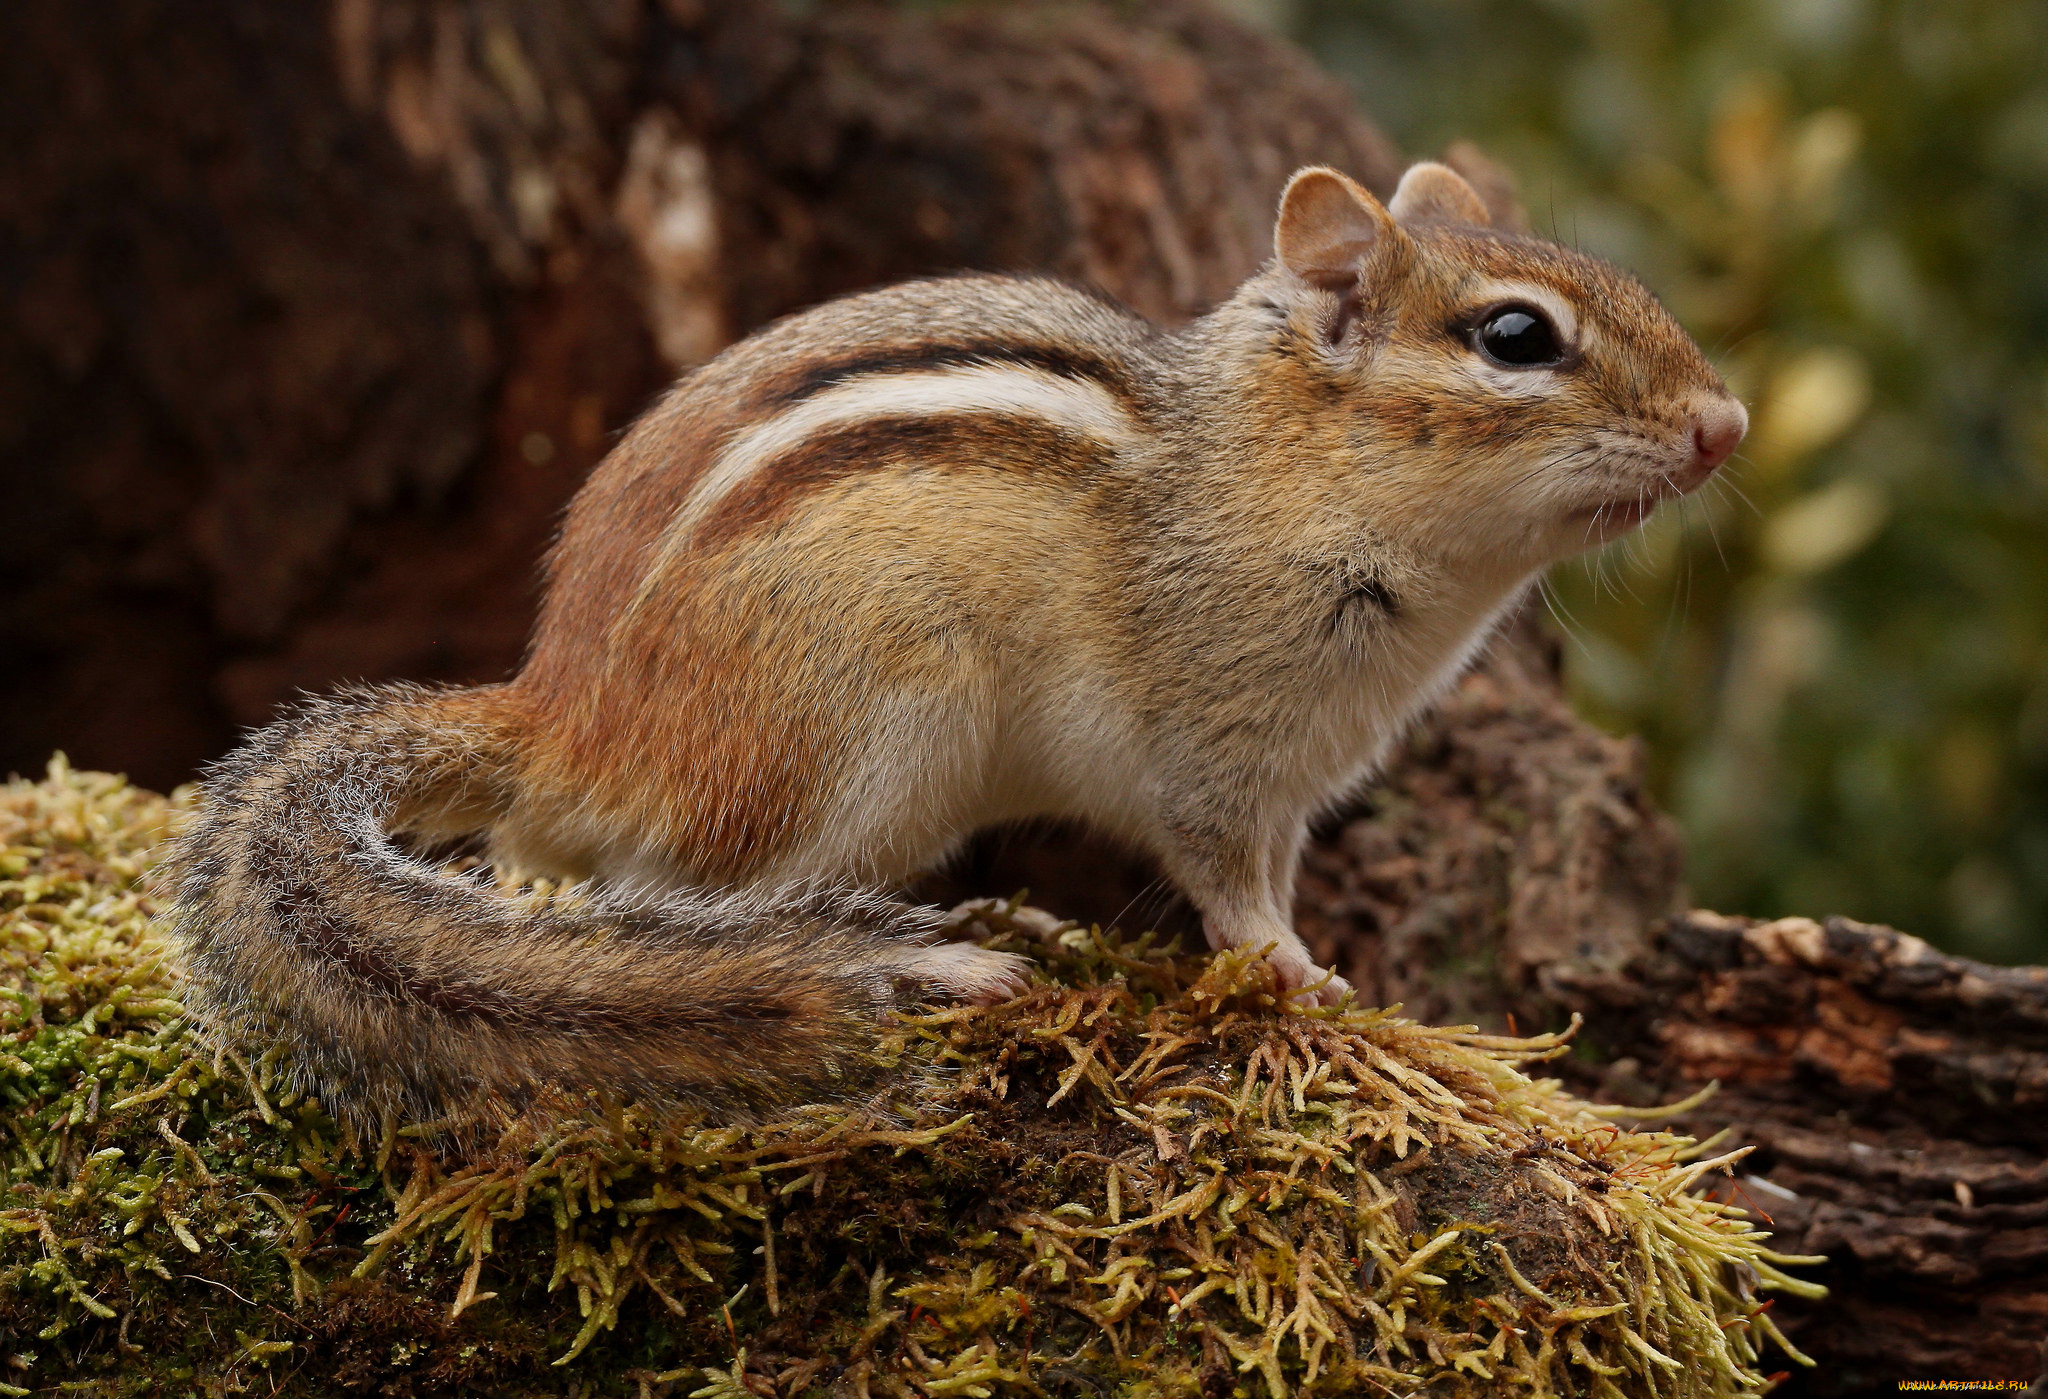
(397, 987)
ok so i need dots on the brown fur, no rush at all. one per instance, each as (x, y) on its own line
(932, 445)
(908, 564)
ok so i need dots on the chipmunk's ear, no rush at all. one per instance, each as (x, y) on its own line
(1329, 226)
(1433, 193)
(1493, 184)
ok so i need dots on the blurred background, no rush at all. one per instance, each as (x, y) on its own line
(1840, 658)
(315, 313)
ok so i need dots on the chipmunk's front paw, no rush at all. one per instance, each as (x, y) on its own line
(970, 973)
(1302, 982)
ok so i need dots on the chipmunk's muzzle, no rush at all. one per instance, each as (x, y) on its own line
(1707, 436)
(1718, 426)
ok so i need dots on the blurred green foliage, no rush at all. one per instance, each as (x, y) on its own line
(1840, 657)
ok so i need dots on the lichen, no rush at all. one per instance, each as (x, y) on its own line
(1142, 1177)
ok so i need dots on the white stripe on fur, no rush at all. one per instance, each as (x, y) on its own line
(1079, 406)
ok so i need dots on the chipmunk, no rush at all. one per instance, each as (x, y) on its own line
(909, 564)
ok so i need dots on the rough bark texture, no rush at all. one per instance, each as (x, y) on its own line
(1898, 1099)
(317, 313)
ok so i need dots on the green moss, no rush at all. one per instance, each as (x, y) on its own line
(1138, 1178)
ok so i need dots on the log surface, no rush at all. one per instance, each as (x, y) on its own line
(1898, 1101)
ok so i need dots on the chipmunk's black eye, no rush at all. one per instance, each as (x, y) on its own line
(1519, 336)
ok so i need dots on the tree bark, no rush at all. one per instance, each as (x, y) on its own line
(1898, 1101)
(321, 312)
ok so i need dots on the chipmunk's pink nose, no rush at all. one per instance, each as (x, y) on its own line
(1716, 431)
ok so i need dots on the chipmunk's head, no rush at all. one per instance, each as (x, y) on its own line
(1519, 394)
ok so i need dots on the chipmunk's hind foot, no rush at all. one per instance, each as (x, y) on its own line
(963, 971)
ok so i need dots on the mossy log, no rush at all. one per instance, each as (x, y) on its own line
(1141, 1177)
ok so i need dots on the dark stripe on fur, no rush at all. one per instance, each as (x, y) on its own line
(1065, 361)
(945, 443)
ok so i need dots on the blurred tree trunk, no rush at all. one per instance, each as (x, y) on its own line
(319, 312)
